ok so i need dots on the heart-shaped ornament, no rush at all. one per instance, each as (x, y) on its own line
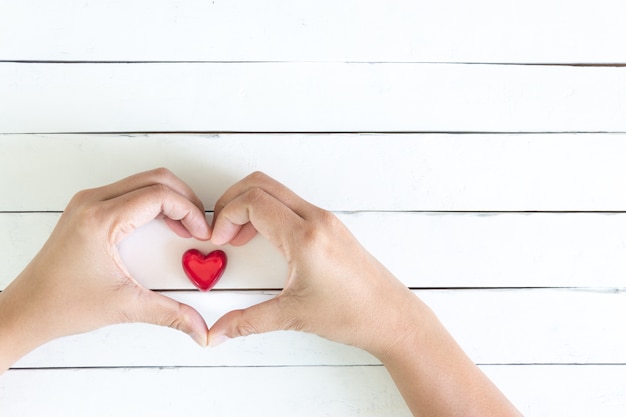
(204, 271)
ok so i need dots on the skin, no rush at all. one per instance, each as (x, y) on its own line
(77, 282)
(348, 296)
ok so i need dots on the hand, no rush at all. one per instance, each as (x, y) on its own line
(337, 290)
(77, 281)
(334, 287)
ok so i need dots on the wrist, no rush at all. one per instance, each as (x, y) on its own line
(433, 374)
(400, 326)
(407, 338)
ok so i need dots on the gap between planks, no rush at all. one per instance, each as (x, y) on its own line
(217, 133)
(526, 64)
(65, 368)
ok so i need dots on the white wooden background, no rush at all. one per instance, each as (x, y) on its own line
(476, 148)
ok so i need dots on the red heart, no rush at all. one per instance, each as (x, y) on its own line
(204, 271)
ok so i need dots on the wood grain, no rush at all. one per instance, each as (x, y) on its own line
(534, 31)
(409, 172)
(310, 97)
(494, 326)
(461, 214)
(424, 250)
(541, 391)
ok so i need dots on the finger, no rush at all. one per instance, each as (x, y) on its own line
(145, 179)
(272, 187)
(267, 215)
(139, 207)
(246, 233)
(177, 227)
(261, 318)
(164, 311)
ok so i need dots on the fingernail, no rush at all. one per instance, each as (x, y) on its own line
(216, 239)
(204, 232)
(199, 339)
(218, 340)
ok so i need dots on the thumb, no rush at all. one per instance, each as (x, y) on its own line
(164, 311)
(260, 318)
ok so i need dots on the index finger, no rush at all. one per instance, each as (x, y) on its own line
(270, 216)
(138, 207)
(272, 187)
(144, 179)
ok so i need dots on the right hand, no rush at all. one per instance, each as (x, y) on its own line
(334, 287)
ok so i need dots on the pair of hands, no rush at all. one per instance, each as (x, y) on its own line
(334, 287)
(77, 282)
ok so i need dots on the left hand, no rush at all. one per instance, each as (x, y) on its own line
(77, 282)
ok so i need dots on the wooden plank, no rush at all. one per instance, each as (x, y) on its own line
(482, 172)
(493, 326)
(310, 97)
(424, 250)
(305, 391)
(398, 31)
(563, 390)
(541, 391)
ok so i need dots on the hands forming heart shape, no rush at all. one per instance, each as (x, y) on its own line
(334, 287)
(204, 271)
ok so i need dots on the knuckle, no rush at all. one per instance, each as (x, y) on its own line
(175, 318)
(245, 324)
(255, 195)
(159, 189)
(84, 210)
(323, 225)
(310, 234)
(245, 328)
(328, 219)
(161, 173)
(80, 197)
(297, 325)
(86, 216)
(320, 234)
(257, 177)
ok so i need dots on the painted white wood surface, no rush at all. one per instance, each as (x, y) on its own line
(306, 66)
(539, 391)
(493, 326)
(206, 391)
(424, 250)
(310, 97)
(565, 172)
(534, 31)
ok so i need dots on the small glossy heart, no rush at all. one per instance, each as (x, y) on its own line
(204, 271)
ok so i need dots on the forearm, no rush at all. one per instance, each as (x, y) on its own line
(435, 376)
(18, 334)
(28, 317)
